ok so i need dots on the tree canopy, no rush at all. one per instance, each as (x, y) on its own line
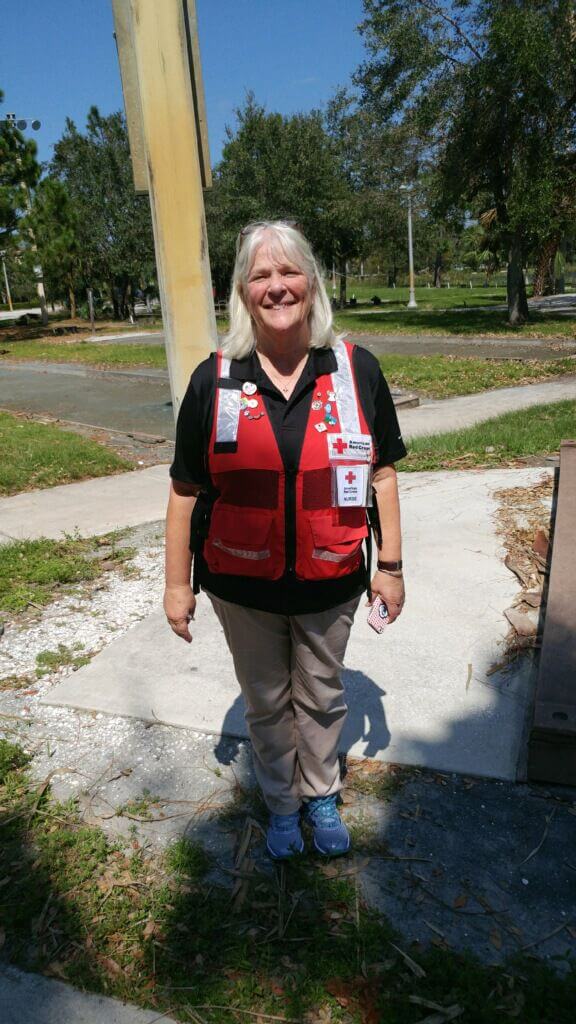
(488, 92)
(272, 167)
(112, 225)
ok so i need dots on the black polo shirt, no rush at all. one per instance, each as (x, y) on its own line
(287, 595)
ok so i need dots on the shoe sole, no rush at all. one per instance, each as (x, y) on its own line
(332, 853)
(284, 856)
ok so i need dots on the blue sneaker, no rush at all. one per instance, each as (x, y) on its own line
(284, 838)
(330, 833)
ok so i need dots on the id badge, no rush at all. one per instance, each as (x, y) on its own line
(352, 485)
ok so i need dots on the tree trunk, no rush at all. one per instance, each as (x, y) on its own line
(72, 302)
(392, 274)
(115, 303)
(343, 283)
(438, 268)
(516, 284)
(544, 272)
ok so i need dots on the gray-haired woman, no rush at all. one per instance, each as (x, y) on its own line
(283, 437)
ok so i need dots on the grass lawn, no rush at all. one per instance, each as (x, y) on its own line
(474, 321)
(427, 298)
(36, 456)
(442, 376)
(32, 571)
(296, 944)
(496, 442)
(89, 353)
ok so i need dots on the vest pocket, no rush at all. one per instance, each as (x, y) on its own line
(334, 550)
(239, 542)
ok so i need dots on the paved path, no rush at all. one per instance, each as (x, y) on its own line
(425, 693)
(33, 999)
(512, 347)
(464, 411)
(97, 506)
(129, 400)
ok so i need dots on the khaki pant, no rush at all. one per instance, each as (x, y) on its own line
(288, 667)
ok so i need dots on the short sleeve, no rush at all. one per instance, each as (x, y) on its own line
(193, 427)
(379, 408)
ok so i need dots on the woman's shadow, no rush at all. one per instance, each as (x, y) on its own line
(365, 726)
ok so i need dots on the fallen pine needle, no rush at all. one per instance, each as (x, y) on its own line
(550, 935)
(235, 1009)
(418, 971)
(542, 841)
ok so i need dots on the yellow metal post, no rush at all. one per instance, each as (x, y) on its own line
(158, 33)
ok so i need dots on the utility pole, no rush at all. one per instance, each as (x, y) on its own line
(159, 59)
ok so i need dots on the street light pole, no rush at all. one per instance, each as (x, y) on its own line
(412, 304)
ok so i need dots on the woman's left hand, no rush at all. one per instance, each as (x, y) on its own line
(391, 590)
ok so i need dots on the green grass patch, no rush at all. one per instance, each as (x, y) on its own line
(35, 455)
(33, 571)
(11, 757)
(427, 298)
(294, 942)
(536, 431)
(89, 353)
(62, 657)
(467, 322)
(442, 376)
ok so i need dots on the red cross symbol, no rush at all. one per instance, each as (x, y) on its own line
(339, 445)
(350, 476)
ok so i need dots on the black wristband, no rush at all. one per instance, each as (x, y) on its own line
(389, 566)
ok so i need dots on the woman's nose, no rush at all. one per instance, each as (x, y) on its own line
(276, 285)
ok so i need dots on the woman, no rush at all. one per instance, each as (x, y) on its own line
(281, 437)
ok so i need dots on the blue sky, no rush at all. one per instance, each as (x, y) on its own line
(58, 57)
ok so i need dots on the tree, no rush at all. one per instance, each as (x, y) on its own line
(280, 167)
(55, 224)
(489, 91)
(19, 170)
(112, 225)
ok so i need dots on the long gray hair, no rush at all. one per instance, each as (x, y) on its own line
(240, 340)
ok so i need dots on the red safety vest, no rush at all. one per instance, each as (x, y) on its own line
(247, 534)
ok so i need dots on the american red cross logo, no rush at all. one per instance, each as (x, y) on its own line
(340, 445)
(350, 477)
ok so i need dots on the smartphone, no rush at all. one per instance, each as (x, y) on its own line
(378, 615)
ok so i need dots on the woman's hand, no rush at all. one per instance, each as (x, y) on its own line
(391, 590)
(180, 605)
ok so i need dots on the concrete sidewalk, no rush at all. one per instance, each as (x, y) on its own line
(90, 507)
(34, 999)
(96, 506)
(464, 411)
(424, 693)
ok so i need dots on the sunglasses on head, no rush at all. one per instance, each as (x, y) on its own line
(250, 228)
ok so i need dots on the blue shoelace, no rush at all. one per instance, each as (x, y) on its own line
(323, 811)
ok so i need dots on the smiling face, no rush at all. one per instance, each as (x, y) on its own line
(278, 294)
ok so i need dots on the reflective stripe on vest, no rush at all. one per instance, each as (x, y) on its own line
(343, 382)
(228, 415)
(229, 407)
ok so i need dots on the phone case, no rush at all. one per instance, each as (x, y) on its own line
(378, 615)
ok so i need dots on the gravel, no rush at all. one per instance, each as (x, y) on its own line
(107, 761)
